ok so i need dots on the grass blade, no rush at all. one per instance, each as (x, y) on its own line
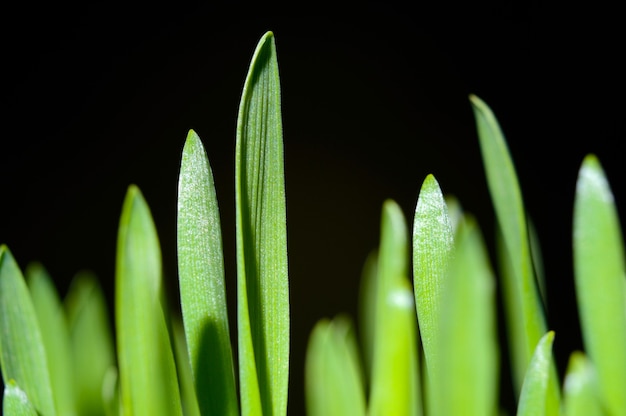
(146, 363)
(334, 379)
(533, 398)
(580, 388)
(262, 279)
(22, 353)
(185, 375)
(367, 310)
(201, 280)
(599, 277)
(55, 335)
(395, 373)
(15, 402)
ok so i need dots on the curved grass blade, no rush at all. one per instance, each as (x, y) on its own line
(599, 273)
(467, 381)
(334, 379)
(525, 316)
(201, 280)
(22, 353)
(395, 388)
(55, 335)
(146, 363)
(580, 388)
(534, 395)
(262, 279)
(15, 402)
(91, 341)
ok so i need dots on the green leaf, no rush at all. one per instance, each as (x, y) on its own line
(15, 401)
(111, 400)
(55, 334)
(22, 352)
(262, 278)
(146, 363)
(534, 394)
(599, 277)
(202, 287)
(467, 381)
(333, 376)
(185, 375)
(580, 388)
(525, 317)
(367, 310)
(91, 339)
(395, 388)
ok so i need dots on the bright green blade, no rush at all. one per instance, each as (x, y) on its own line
(333, 376)
(467, 381)
(146, 362)
(395, 388)
(599, 276)
(185, 375)
(15, 402)
(201, 280)
(533, 399)
(262, 280)
(433, 240)
(22, 352)
(525, 316)
(91, 339)
(367, 309)
(55, 335)
(580, 388)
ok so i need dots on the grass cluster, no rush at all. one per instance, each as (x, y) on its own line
(422, 344)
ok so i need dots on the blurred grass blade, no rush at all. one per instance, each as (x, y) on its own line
(367, 309)
(111, 400)
(467, 382)
(262, 281)
(525, 316)
(333, 376)
(146, 364)
(537, 258)
(395, 388)
(201, 280)
(55, 335)
(580, 388)
(15, 402)
(599, 276)
(22, 353)
(185, 376)
(533, 398)
(432, 244)
(91, 339)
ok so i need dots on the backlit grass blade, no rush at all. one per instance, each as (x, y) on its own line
(262, 281)
(534, 395)
(185, 376)
(367, 310)
(201, 280)
(580, 388)
(433, 240)
(146, 364)
(599, 277)
(22, 353)
(334, 379)
(395, 388)
(55, 335)
(467, 382)
(15, 402)
(91, 339)
(525, 316)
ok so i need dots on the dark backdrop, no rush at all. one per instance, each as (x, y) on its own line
(99, 97)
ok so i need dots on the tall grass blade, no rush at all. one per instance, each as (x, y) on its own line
(367, 311)
(395, 388)
(600, 274)
(185, 375)
(580, 388)
(201, 280)
(22, 352)
(146, 363)
(534, 395)
(262, 280)
(15, 402)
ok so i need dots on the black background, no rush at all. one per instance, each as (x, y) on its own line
(98, 97)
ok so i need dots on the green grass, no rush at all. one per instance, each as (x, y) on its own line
(426, 337)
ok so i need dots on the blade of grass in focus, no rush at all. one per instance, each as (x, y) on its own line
(55, 335)
(262, 279)
(15, 402)
(334, 379)
(599, 273)
(201, 281)
(580, 388)
(22, 353)
(395, 388)
(534, 395)
(146, 363)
